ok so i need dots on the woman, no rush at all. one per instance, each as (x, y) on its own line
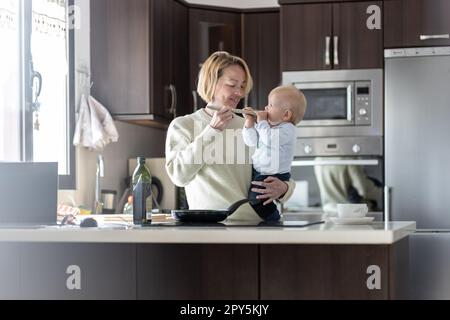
(205, 151)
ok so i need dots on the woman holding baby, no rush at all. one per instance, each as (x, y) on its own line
(206, 152)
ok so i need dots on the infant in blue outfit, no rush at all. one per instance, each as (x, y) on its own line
(274, 136)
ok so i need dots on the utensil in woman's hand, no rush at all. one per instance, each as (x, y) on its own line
(236, 111)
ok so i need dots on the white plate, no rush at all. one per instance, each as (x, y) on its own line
(364, 220)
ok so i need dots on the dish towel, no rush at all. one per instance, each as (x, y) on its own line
(95, 127)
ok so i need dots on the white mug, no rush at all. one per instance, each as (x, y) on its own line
(352, 210)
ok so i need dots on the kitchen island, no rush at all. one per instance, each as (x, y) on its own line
(321, 261)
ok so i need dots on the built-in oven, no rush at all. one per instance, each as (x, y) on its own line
(340, 102)
(323, 182)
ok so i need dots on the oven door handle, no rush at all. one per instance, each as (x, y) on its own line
(345, 162)
(350, 103)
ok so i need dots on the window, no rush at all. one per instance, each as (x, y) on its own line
(36, 84)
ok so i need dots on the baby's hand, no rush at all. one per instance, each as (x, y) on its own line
(249, 118)
(262, 115)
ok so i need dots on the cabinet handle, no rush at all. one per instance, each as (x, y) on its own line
(327, 51)
(195, 99)
(173, 105)
(434, 36)
(175, 101)
(336, 51)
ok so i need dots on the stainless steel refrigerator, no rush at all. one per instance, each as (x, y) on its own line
(417, 160)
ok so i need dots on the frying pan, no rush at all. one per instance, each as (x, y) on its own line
(208, 216)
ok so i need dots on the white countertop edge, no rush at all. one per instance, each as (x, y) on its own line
(208, 236)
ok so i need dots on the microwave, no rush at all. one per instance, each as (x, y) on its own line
(344, 103)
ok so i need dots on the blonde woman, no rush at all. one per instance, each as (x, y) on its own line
(205, 151)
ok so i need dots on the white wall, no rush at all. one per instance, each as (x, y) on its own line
(241, 4)
(134, 140)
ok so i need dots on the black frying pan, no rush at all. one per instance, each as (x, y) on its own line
(208, 216)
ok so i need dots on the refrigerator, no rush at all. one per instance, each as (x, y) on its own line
(417, 160)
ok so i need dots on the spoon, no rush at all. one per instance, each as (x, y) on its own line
(236, 111)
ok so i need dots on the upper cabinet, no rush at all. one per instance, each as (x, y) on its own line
(261, 51)
(416, 23)
(329, 36)
(139, 58)
(305, 47)
(210, 31)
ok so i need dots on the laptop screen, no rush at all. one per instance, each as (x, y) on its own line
(28, 193)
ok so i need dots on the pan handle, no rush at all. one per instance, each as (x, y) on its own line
(236, 205)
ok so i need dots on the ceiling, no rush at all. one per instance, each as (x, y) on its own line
(241, 4)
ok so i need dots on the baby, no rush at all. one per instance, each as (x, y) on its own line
(274, 137)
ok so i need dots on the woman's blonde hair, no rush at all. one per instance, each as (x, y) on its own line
(212, 70)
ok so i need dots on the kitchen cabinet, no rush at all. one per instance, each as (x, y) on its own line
(229, 262)
(329, 272)
(416, 23)
(68, 271)
(261, 51)
(197, 272)
(210, 30)
(339, 38)
(10, 288)
(139, 58)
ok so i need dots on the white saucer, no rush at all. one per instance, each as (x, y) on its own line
(364, 220)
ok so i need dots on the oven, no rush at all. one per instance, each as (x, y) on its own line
(323, 182)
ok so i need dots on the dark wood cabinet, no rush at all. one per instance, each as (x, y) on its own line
(305, 47)
(196, 272)
(139, 58)
(261, 51)
(120, 55)
(204, 271)
(416, 23)
(329, 36)
(210, 31)
(296, 272)
(180, 60)
(358, 47)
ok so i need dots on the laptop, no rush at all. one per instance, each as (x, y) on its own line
(28, 194)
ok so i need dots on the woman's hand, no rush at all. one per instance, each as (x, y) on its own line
(274, 189)
(221, 119)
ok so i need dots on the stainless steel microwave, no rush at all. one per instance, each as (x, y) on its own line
(340, 102)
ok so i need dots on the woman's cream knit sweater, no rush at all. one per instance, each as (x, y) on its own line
(214, 167)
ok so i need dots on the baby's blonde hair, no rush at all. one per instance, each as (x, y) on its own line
(295, 101)
(212, 70)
